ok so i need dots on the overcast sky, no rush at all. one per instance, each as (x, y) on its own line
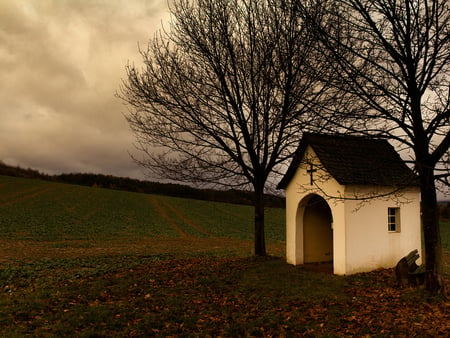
(61, 62)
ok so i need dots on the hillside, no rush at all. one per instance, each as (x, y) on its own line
(50, 211)
(134, 185)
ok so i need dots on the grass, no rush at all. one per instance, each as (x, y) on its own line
(163, 295)
(37, 210)
(445, 238)
(79, 261)
(445, 234)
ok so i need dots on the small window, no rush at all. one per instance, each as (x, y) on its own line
(393, 219)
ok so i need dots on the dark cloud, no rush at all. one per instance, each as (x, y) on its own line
(61, 61)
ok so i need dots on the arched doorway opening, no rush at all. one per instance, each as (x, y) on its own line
(317, 230)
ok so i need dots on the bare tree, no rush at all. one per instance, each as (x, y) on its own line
(391, 59)
(224, 94)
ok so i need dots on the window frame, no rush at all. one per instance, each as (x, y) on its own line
(393, 221)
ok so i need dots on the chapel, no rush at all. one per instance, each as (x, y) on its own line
(351, 201)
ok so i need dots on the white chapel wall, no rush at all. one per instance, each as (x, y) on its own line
(369, 243)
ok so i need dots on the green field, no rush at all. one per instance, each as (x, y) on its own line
(81, 261)
(39, 210)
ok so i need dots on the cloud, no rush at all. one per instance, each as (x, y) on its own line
(61, 61)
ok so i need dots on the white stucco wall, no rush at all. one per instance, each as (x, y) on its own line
(361, 240)
(369, 243)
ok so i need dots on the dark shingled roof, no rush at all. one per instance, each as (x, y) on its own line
(354, 160)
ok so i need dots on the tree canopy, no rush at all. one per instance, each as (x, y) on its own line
(225, 94)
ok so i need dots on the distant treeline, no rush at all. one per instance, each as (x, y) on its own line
(134, 185)
(7, 170)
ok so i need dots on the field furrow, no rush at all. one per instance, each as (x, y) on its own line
(156, 203)
(186, 220)
(14, 194)
(22, 195)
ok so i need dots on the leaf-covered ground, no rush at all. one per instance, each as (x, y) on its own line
(161, 295)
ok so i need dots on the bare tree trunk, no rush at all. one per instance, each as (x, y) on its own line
(432, 236)
(260, 241)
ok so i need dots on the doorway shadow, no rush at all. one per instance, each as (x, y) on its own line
(323, 267)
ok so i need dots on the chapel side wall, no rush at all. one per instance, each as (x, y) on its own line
(292, 247)
(369, 243)
(339, 237)
(298, 189)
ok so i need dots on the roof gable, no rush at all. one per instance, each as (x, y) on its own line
(354, 160)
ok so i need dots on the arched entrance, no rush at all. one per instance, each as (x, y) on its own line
(317, 230)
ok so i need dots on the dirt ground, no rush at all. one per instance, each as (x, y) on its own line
(27, 250)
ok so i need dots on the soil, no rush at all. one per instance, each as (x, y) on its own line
(27, 250)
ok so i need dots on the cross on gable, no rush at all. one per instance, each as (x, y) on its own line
(311, 171)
